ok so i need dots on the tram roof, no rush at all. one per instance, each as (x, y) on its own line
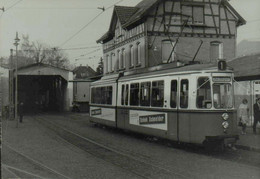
(171, 69)
(159, 70)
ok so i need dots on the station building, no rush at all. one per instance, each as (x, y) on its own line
(82, 78)
(42, 87)
(145, 35)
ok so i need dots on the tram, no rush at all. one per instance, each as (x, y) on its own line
(189, 104)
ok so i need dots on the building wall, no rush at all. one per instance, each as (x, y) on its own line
(187, 47)
(207, 20)
(81, 91)
(138, 40)
(4, 89)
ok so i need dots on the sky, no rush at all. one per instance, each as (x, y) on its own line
(66, 24)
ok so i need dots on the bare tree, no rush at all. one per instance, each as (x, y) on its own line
(42, 53)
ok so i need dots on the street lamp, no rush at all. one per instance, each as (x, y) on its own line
(16, 43)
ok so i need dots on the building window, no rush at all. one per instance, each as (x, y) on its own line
(184, 94)
(122, 59)
(108, 64)
(118, 60)
(173, 94)
(138, 58)
(145, 94)
(216, 50)
(157, 93)
(111, 62)
(134, 94)
(198, 15)
(167, 47)
(195, 12)
(131, 56)
(204, 93)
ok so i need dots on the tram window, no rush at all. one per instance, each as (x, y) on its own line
(126, 94)
(93, 95)
(102, 95)
(134, 94)
(173, 93)
(145, 94)
(184, 94)
(204, 93)
(157, 93)
(123, 95)
(222, 96)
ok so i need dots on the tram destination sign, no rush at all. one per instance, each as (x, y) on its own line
(221, 79)
(152, 119)
(95, 112)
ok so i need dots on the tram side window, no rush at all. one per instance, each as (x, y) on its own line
(157, 93)
(184, 94)
(123, 95)
(173, 93)
(145, 94)
(110, 93)
(204, 93)
(102, 95)
(93, 94)
(126, 94)
(134, 94)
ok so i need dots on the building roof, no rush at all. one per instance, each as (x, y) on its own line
(131, 16)
(124, 13)
(41, 64)
(83, 72)
(246, 67)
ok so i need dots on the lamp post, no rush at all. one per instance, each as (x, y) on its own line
(16, 43)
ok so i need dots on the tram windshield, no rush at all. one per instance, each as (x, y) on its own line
(222, 95)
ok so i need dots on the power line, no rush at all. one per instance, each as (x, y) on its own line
(83, 55)
(17, 2)
(88, 24)
(54, 8)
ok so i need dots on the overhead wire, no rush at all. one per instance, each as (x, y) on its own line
(17, 2)
(92, 20)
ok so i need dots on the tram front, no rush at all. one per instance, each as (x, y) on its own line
(224, 131)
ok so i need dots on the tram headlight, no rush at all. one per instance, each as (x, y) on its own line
(225, 116)
(225, 125)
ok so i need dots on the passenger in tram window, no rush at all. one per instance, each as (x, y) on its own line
(243, 112)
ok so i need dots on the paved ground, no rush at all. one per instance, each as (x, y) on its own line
(34, 145)
(60, 159)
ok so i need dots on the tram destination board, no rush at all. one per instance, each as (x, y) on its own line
(96, 112)
(221, 79)
(152, 119)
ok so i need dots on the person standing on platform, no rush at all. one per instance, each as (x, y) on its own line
(243, 115)
(21, 110)
(256, 114)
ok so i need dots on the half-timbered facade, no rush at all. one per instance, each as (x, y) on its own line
(165, 31)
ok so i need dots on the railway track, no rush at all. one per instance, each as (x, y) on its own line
(119, 158)
(27, 170)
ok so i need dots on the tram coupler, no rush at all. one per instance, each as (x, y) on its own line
(213, 143)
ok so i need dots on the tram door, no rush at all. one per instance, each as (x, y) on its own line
(173, 115)
(183, 115)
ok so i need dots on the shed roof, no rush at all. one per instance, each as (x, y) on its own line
(246, 67)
